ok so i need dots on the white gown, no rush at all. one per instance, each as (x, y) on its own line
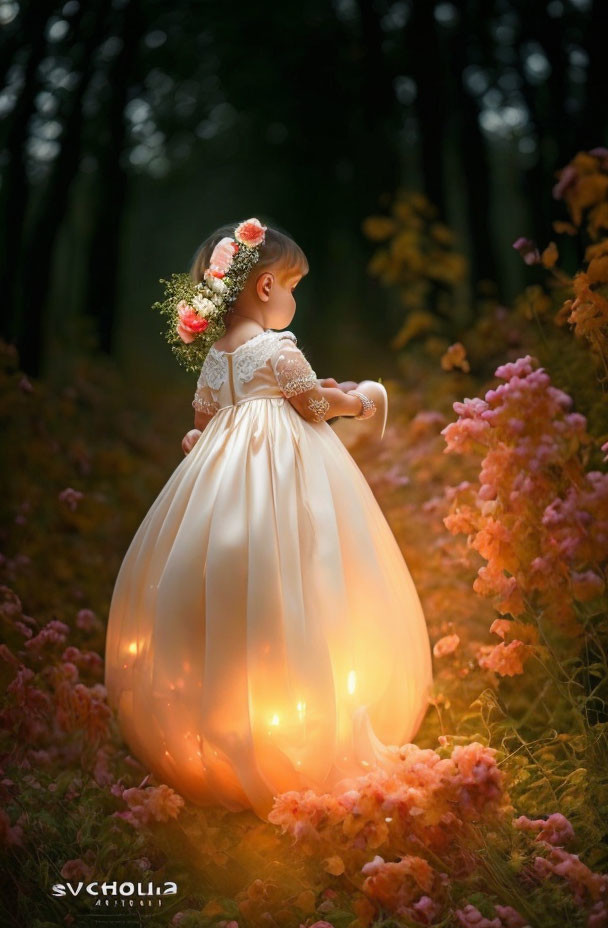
(264, 633)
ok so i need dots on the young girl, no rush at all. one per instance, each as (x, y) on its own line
(265, 633)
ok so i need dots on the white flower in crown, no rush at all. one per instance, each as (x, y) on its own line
(250, 232)
(204, 305)
(215, 283)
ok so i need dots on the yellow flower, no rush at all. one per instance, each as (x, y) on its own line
(455, 357)
(415, 324)
(598, 219)
(550, 255)
(378, 228)
(334, 865)
(442, 233)
(533, 301)
(213, 908)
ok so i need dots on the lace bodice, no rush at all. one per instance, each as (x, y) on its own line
(269, 364)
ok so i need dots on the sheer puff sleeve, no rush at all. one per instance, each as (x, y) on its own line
(203, 398)
(295, 376)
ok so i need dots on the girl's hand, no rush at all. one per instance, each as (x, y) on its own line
(190, 439)
(345, 385)
(328, 382)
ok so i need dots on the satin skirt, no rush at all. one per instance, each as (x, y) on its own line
(265, 633)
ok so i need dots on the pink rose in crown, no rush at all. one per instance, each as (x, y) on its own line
(221, 257)
(250, 232)
(190, 324)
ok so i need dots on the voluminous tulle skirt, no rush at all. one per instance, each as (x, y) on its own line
(265, 633)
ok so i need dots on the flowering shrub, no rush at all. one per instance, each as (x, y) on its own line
(417, 256)
(423, 806)
(537, 517)
(152, 804)
(45, 698)
(402, 887)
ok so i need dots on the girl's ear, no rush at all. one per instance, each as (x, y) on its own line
(263, 286)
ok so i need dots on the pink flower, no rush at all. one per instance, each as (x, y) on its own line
(520, 368)
(101, 771)
(427, 422)
(427, 909)
(86, 620)
(470, 408)
(221, 257)
(68, 671)
(555, 830)
(510, 916)
(505, 659)
(9, 834)
(586, 585)
(81, 708)
(85, 660)
(476, 764)
(446, 645)
(471, 917)
(54, 632)
(76, 870)
(71, 497)
(163, 803)
(179, 917)
(396, 884)
(598, 914)
(460, 435)
(567, 178)
(190, 323)
(154, 803)
(581, 879)
(528, 250)
(251, 232)
(184, 334)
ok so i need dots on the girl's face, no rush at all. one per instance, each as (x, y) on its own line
(276, 289)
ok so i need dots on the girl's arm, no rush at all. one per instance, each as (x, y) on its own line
(305, 391)
(322, 403)
(201, 420)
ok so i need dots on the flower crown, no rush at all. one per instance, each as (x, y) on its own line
(195, 311)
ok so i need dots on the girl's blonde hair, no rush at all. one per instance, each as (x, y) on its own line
(278, 248)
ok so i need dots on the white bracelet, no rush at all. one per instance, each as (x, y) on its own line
(368, 406)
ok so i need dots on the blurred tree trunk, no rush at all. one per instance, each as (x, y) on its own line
(536, 191)
(377, 144)
(30, 25)
(15, 190)
(546, 104)
(549, 32)
(378, 159)
(423, 57)
(101, 289)
(471, 144)
(594, 118)
(38, 252)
